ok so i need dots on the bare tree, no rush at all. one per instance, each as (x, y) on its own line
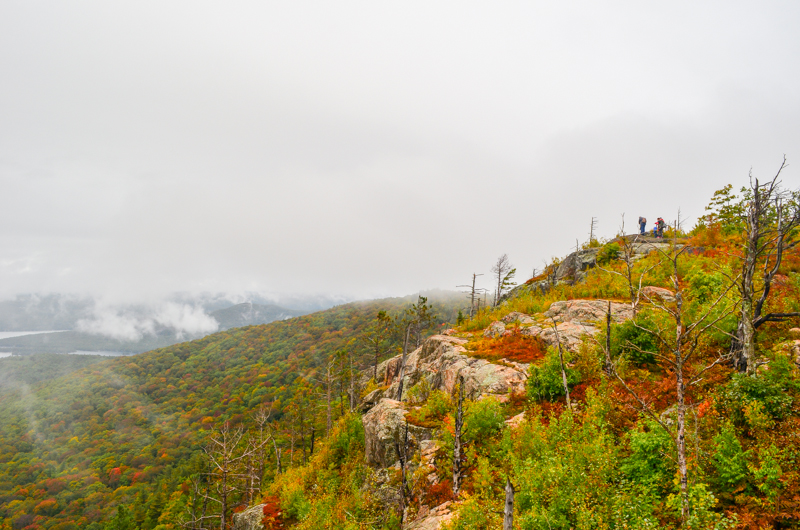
(227, 455)
(772, 216)
(504, 273)
(457, 445)
(680, 341)
(474, 295)
(628, 248)
(401, 448)
(508, 510)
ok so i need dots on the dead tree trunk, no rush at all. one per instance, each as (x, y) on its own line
(771, 218)
(402, 374)
(401, 448)
(508, 511)
(457, 449)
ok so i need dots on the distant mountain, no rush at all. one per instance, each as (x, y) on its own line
(249, 314)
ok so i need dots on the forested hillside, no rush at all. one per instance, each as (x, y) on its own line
(127, 431)
(640, 382)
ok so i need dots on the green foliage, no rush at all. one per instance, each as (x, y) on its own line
(730, 460)
(768, 473)
(438, 405)
(608, 253)
(636, 344)
(123, 520)
(565, 474)
(701, 513)
(651, 462)
(483, 419)
(545, 381)
(727, 210)
(474, 514)
(346, 439)
(705, 286)
(773, 389)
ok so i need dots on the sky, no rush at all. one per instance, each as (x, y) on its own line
(369, 149)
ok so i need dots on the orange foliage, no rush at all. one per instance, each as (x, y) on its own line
(513, 347)
(273, 515)
(439, 493)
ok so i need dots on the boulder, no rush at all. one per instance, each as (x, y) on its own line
(249, 519)
(441, 360)
(571, 334)
(384, 425)
(495, 329)
(796, 351)
(516, 316)
(432, 519)
(574, 265)
(588, 311)
(516, 421)
(658, 294)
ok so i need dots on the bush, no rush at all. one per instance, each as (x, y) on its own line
(649, 463)
(637, 345)
(545, 380)
(773, 388)
(730, 461)
(483, 419)
(608, 253)
(347, 437)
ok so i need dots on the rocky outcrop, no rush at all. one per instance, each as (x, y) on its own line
(250, 519)
(495, 329)
(574, 320)
(571, 334)
(657, 294)
(573, 267)
(516, 316)
(432, 519)
(441, 360)
(384, 425)
(588, 312)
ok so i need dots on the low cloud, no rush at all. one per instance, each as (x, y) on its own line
(134, 324)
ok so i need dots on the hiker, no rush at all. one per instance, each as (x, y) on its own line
(642, 225)
(660, 225)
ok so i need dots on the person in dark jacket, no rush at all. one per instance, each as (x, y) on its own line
(642, 224)
(660, 225)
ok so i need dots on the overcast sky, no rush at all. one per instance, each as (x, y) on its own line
(368, 148)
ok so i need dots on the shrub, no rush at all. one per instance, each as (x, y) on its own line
(773, 388)
(483, 419)
(636, 344)
(730, 461)
(648, 463)
(705, 286)
(545, 380)
(346, 438)
(608, 253)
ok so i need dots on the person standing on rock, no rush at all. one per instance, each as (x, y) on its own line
(642, 225)
(660, 225)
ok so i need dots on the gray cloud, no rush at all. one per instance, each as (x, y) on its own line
(132, 324)
(365, 149)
